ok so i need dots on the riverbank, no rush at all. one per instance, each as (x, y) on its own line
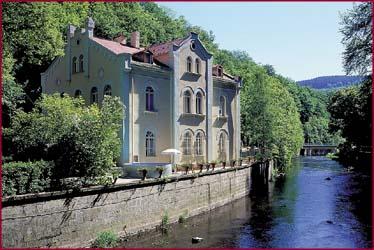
(73, 219)
(302, 210)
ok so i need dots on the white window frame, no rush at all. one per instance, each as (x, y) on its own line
(150, 143)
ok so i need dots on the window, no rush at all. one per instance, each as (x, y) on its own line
(78, 93)
(94, 95)
(108, 90)
(189, 64)
(199, 144)
(222, 104)
(220, 71)
(149, 98)
(74, 65)
(199, 102)
(222, 146)
(187, 101)
(197, 65)
(149, 144)
(81, 63)
(187, 144)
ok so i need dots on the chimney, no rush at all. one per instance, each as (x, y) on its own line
(90, 26)
(135, 39)
(70, 31)
(121, 39)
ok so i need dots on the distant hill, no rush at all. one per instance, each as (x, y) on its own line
(330, 82)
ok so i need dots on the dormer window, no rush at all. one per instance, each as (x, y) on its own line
(220, 71)
(189, 64)
(193, 45)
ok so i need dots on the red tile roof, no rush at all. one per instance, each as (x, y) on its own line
(115, 47)
(162, 48)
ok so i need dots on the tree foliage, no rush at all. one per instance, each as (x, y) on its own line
(82, 140)
(357, 39)
(351, 108)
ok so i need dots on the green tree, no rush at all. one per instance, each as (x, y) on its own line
(350, 108)
(82, 140)
(357, 39)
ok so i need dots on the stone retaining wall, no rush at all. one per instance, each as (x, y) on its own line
(65, 219)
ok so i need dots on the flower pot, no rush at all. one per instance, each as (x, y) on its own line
(201, 166)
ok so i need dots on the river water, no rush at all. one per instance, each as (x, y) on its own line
(303, 210)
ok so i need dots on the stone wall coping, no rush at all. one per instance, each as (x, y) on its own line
(46, 196)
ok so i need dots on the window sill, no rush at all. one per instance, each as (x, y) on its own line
(150, 112)
(193, 74)
(193, 115)
(223, 118)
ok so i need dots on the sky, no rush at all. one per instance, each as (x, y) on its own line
(301, 40)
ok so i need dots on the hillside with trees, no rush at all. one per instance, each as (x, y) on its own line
(278, 115)
(331, 82)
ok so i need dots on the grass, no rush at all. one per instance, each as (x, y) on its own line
(106, 239)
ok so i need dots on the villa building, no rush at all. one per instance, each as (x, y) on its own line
(174, 96)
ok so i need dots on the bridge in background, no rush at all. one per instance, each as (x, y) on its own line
(310, 149)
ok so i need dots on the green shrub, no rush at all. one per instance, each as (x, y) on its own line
(165, 222)
(83, 141)
(26, 177)
(106, 239)
(182, 219)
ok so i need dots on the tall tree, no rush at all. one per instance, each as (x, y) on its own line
(356, 30)
(350, 108)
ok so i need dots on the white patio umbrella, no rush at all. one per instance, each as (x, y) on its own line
(172, 152)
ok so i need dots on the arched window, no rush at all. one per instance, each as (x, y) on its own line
(222, 146)
(199, 146)
(94, 95)
(78, 93)
(186, 146)
(222, 104)
(150, 144)
(220, 71)
(81, 63)
(74, 66)
(187, 101)
(197, 65)
(189, 64)
(199, 103)
(149, 99)
(108, 90)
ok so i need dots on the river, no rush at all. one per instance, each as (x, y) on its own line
(303, 210)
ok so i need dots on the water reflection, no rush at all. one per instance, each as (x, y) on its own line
(302, 210)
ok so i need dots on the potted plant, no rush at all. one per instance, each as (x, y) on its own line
(160, 170)
(143, 172)
(201, 166)
(240, 161)
(223, 164)
(213, 164)
(233, 162)
(186, 167)
(207, 166)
